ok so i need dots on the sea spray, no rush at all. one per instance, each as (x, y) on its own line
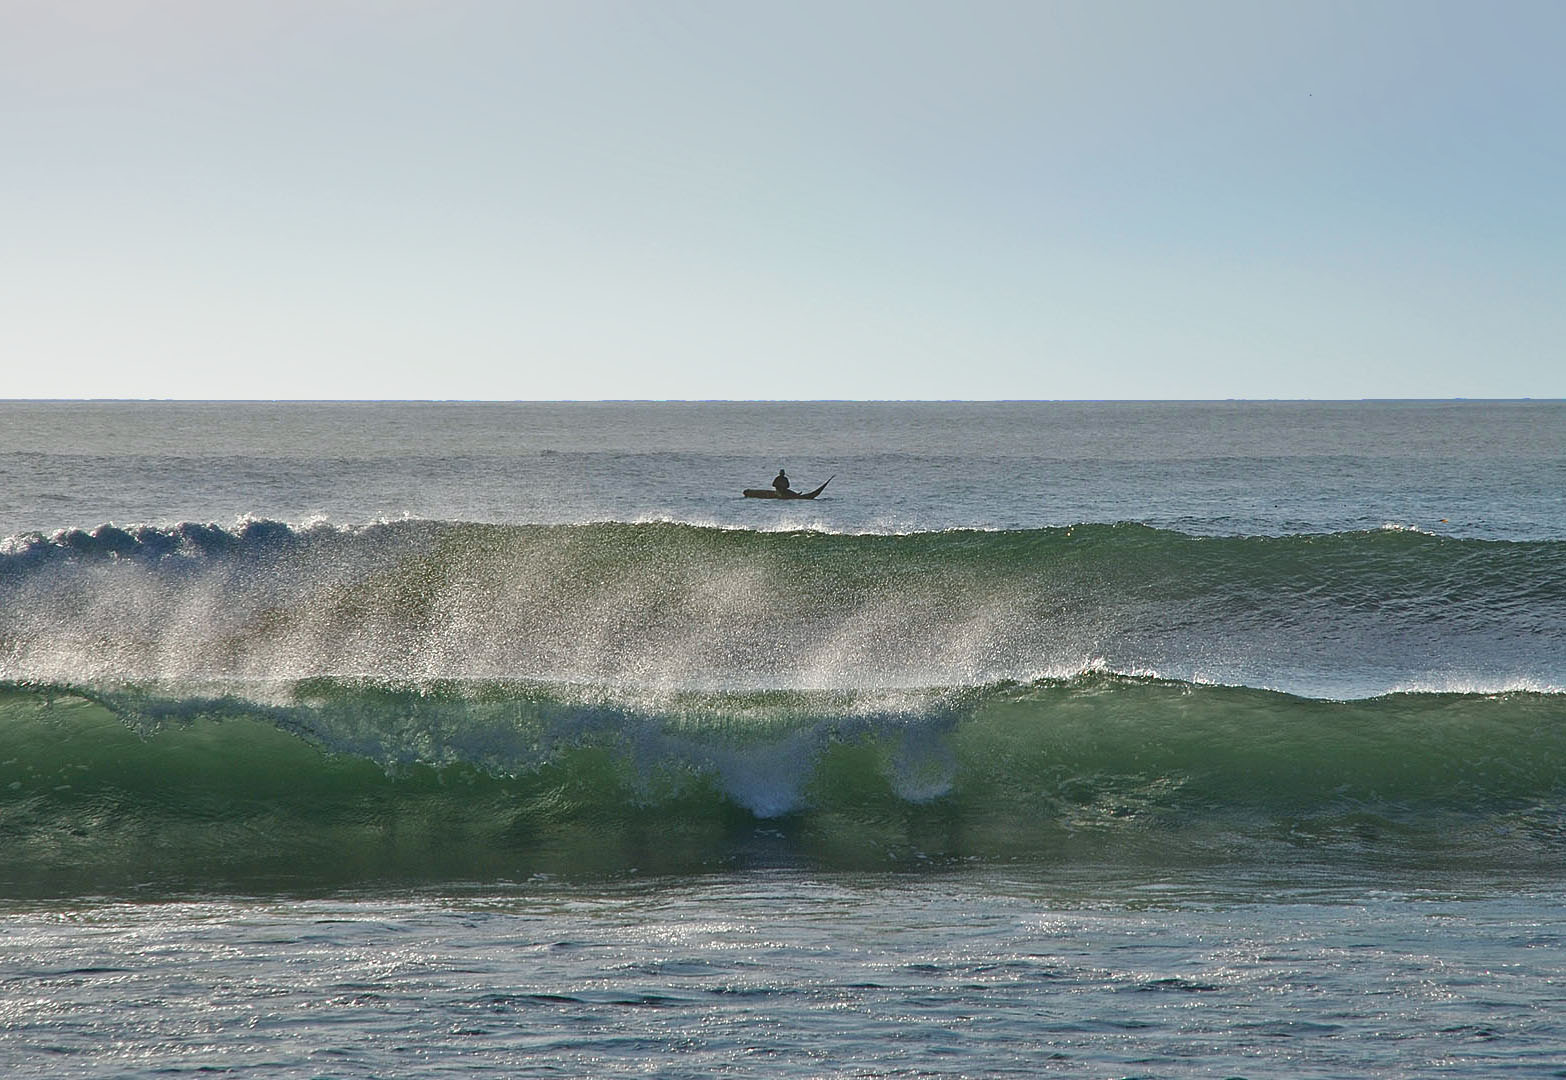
(664, 607)
(426, 700)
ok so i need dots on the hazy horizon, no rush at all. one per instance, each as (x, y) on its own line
(769, 401)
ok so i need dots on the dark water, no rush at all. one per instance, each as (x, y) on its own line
(1138, 739)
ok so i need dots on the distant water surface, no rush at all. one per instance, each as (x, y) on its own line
(1486, 469)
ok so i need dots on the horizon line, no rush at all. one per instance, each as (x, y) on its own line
(758, 401)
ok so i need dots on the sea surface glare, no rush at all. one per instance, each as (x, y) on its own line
(1091, 740)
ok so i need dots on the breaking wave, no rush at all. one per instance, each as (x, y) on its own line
(277, 706)
(341, 781)
(674, 606)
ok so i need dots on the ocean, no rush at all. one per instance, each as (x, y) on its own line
(1183, 739)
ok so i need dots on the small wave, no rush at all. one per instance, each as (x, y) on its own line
(1470, 687)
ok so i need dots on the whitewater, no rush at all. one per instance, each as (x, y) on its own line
(1153, 739)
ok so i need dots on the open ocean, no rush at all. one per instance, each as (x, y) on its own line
(1093, 740)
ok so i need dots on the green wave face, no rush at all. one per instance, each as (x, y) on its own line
(327, 782)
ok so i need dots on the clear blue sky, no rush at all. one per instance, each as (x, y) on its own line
(506, 199)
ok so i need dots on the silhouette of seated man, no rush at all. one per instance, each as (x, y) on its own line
(780, 481)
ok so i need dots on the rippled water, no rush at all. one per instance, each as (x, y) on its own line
(780, 974)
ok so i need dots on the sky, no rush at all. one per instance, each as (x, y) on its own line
(504, 199)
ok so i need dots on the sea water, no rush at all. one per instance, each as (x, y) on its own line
(1142, 739)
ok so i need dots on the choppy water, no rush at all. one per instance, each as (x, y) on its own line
(576, 757)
